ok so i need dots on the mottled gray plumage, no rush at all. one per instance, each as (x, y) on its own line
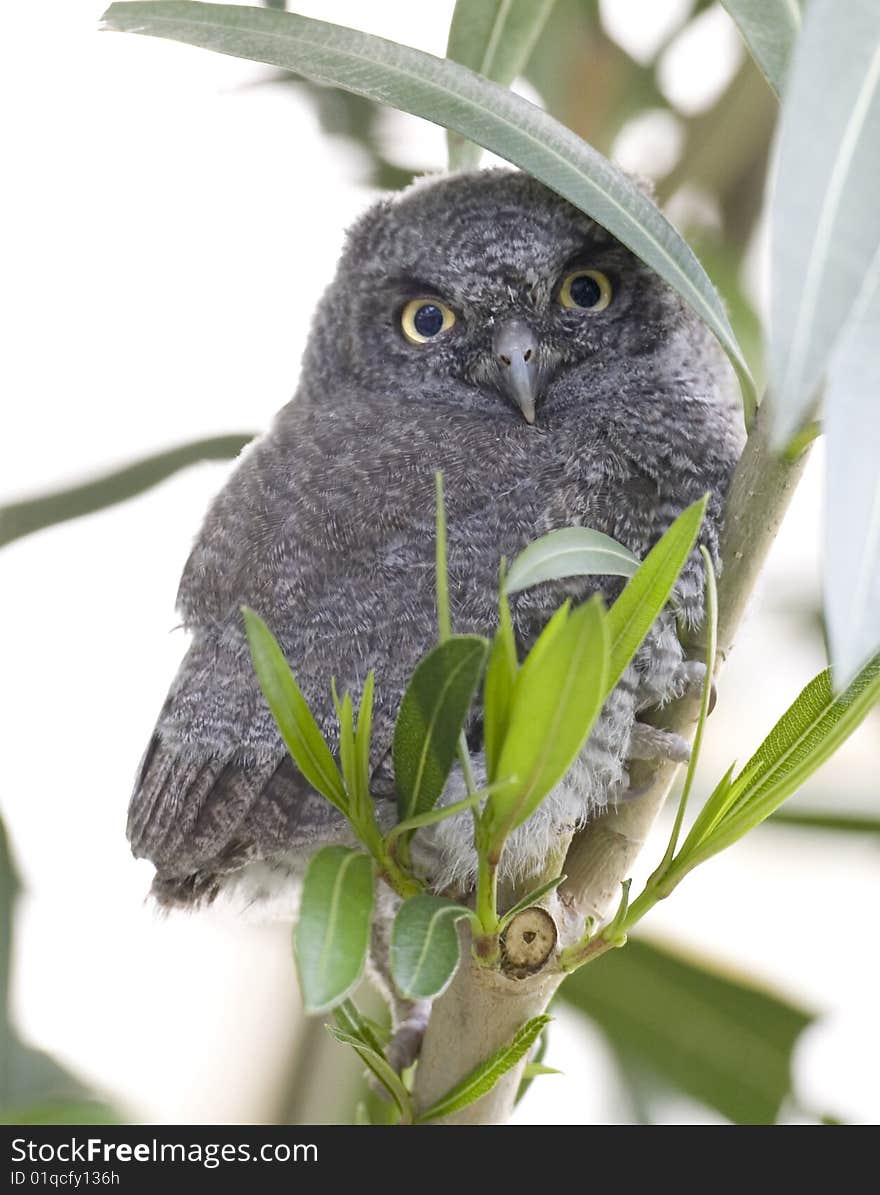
(326, 528)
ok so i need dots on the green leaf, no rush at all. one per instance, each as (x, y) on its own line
(484, 1077)
(345, 717)
(362, 745)
(501, 676)
(719, 1040)
(570, 552)
(634, 612)
(333, 931)
(431, 716)
(351, 1020)
(495, 38)
(770, 29)
(806, 735)
(290, 710)
(450, 95)
(425, 946)
(33, 514)
(555, 703)
(383, 1071)
(851, 570)
(825, 207)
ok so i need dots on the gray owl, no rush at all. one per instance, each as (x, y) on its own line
(480, 325)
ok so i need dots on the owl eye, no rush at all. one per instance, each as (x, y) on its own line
(423, 319)
(588, 290)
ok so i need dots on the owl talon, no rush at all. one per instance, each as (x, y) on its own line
(406, 1042)
(691, 676)
(650, 742)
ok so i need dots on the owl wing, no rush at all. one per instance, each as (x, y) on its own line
(216, 787)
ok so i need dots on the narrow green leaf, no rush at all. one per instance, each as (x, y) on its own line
(425, 947)
(806, 735)
(634, 612)
(452, 96)
(383, 1071)
(495, 38)
(333, 931)
(770, 29)
(555, 704)
(351, 1020)
(290, 710)
(825, 207)
(570, 552)
(713, 810)
(532, 898)
(362, 744)
(484, 1077)
(534, 1069)
(497, 692)
(33, 514)
(438, 814)
(347, 757)
(432, 714)
(721, 1041)
(851, 570)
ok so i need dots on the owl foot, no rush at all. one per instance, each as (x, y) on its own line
(650, 742)
(406, 1044)
(690, 677)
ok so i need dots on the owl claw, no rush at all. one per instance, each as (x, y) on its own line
(691, 676)
(406, 1042)
(650, 742)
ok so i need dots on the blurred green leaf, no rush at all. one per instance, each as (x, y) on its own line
(363, 734)
(432, 714)
(290, 710)
(450, 95)
(570, 552)
(555, 703)
(825, 207)
(851, 571)
(770, 29)
(425, 946)
(70, 1111)
(33, 514)
(484, 1077)
(808, 733)
(838, 822)
(633, 614)
(333, 931)
(495, 38)
(716, 1038)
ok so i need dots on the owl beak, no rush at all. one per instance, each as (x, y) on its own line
(515, 348)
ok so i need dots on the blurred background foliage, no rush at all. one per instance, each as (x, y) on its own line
(673, 1022)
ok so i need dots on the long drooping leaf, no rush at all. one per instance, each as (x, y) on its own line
(715, 1038)
(425, 946)
(842, 823)
(431, 717)
(484, 1077)
(333, 931)
(290, 710)
(570, 552)
(454, 97)
(851, 571)
(554, 706)
(770, 29)
(33, 514)
(806, 735)
(825, 208)
(495, 38)
(634, 612)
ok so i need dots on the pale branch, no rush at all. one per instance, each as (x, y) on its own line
(483, 1008)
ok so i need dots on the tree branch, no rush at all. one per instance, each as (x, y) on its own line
(483, 1008)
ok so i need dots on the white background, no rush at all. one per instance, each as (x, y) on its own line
(169, 221)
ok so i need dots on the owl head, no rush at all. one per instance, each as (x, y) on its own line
(489, 292)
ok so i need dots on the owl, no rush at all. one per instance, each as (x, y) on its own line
(480, 325)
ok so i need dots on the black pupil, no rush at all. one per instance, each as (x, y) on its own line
(585, 291)
(428, 320)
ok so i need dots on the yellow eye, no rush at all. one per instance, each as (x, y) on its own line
(585, 290)
(423, 319)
